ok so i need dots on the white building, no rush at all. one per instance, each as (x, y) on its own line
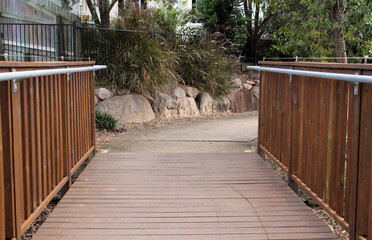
(81, 8)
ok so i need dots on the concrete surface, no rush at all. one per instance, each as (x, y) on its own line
(218, 135)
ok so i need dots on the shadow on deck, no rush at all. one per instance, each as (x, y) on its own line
(181, 196)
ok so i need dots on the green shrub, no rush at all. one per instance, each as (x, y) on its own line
(206, 66)
(105, 121)
(144, 63)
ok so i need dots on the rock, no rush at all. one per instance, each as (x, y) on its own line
(165, 107)
(130, 108)
(205, 104)
(103, 93)
(149, 97)
(250, 82)
(178, 93)
(256, 91)
(223, 104)
(95, 100)
(243, 100)
(123, 91)
(187, 108)
(247, 86)
(192, 92)
(237, 82)
(209, 105)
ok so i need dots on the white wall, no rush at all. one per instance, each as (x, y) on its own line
(81, 9)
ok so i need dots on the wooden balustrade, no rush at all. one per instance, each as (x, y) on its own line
(48, 130)
(320, 133)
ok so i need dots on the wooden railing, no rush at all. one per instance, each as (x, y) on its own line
(48, 131)
(319, 131)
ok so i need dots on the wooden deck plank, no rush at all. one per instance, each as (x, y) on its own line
(181, 196)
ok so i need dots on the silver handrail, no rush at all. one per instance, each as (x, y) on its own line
(336, 76)
(20, 76)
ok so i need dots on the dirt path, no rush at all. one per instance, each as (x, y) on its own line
(231, 134)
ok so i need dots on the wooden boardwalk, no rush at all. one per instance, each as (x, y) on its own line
(181, 196)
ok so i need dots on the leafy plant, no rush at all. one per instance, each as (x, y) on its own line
(105, 121)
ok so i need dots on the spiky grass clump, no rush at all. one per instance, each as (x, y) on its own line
(205, 66)
(145, 64)
(105, 121)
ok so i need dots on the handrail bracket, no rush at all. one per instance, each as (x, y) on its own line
(356, 88)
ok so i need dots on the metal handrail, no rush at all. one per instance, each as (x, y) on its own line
(20, 76)
(335, 76)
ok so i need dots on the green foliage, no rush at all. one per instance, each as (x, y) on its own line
(223, 16)
(67, 4)
(358, 28)
(105, 121)
(309, 30)
(206, 66)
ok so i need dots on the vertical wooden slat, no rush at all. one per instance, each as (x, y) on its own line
(66, 128)
(43, 137)
(53, 133)
(80, 116)
(259, 113)
(2, 196)
(17, 157)
(48, 132)
(92, 110)
(60, 128)
(75, 120)
(38, 142)
(369, 233)
(26, 149)
(57, 160)
(353, 160)
(365, 150)
(33, 144)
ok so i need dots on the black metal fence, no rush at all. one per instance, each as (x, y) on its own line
(56, 42)
(38, 42)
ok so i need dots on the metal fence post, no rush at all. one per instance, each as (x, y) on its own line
(74, 40)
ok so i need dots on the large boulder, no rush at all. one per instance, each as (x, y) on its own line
(209, 105)
(165, 107)
(130, 108)
(243, 100)
(192, 92)
(95, 100)
(178, 93)
(187, 108)
(103, 93)
(256, 91)
(237, 82)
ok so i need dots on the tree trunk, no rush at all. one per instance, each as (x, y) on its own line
(337, 12)
(93, 12)
(120, 7)
(105, 19)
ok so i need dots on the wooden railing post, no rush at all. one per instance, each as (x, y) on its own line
(291, 183)
(17, 156)
(2, 197)
(353, 159)
(7, 144)
(259, 114)
(66, 127)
